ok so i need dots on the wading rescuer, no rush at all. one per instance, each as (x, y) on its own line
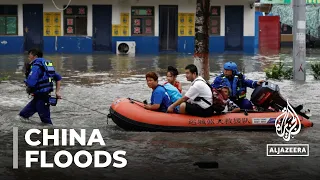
(40, 75)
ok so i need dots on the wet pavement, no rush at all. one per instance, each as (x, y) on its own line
(94, 81)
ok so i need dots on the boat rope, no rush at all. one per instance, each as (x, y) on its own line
(108, 115)
(85, 107)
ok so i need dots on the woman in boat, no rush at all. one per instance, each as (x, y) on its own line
(172, 74)
(160, 100)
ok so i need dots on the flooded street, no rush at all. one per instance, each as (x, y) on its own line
(94, 81)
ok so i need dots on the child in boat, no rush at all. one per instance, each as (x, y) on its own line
(232, 107)
(172, 78)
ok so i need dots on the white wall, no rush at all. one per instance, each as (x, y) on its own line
(189, 6)
(248, 18)
(124, 6)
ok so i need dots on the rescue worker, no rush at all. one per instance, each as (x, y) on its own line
(237, 83)
(40, 76)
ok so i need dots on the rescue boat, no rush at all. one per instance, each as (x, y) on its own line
(130, 115)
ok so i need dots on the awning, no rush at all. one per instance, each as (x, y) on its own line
(287, 1)
(286, 17)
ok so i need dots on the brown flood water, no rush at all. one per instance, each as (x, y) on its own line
(96, 80)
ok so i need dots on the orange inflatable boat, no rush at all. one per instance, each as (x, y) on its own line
(131, 116)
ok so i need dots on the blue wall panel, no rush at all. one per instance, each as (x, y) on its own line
(186, 44)
(256, 29)
(49, 44)
(216, 44)
(69, 44)
(11, 44)
(248, 44)
(144, 45)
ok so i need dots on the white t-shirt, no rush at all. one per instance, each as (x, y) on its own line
(199, 89)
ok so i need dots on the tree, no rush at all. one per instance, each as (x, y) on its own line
(201, 54)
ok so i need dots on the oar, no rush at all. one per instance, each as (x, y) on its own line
(134, 101)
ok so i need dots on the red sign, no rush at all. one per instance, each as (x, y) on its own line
(70, 22)
(148, 30)
(137, 30)
(69, 10)
(214, 22)
(214, 11)
(214, 30)
(137, 22)
(70, 30)
(148, 22)
(82, 11)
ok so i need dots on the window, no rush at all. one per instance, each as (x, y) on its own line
(142, 21)
(214, 25)
(285, 29)
(75, 20)
(8, 20)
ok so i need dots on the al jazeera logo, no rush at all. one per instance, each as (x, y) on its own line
(287, 126)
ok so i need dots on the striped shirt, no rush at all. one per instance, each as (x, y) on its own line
(231, 105)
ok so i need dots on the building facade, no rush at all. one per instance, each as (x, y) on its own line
(96, 25)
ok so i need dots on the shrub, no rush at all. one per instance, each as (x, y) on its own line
(4, 78)
(315, 67)
(279, 72)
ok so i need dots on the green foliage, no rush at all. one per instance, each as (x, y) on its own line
(315, 67)
(279, 72)
(4, 78)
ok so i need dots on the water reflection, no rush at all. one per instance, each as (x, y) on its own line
(122, 63)
(104, 68)
(75, 63)
(9, 64)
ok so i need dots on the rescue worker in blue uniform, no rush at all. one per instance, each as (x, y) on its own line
(39, 81)
(237, 83)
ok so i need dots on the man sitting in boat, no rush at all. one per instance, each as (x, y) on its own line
(160, 100)
(172, 74)
(232, 107)
(237, 83)
(198, 99)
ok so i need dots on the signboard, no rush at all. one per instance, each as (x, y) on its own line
(142, 11)
(124, 31)
(52, 24)
(186, 24)
(124, 17)
(116, 30)
(272, 1)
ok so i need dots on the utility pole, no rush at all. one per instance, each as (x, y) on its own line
(299, 39)
(201, 54)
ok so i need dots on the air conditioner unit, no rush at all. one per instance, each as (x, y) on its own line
(126, 47)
